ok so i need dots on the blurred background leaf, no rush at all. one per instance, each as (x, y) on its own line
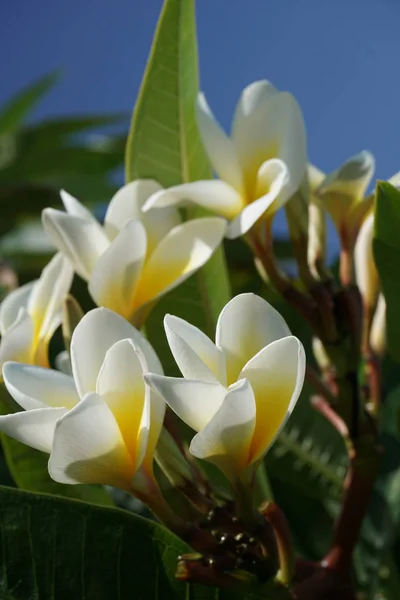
(83, 154)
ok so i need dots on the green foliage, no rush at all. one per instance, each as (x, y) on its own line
(164, 144)
(18, 108)
(28, 468)
(68, 549)
(387, 257)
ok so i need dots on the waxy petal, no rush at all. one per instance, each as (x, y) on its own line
(94, 335)
(343, 190)
(214, 195)
(219, 147)
(183, 251)
(17, 342)
(116, 275)
(268, 124)
(276, 375)
(121, 384)
(351, 178)
(80, 240)
(63, 363)
(35, 428)
(365, 269)
(88, 447)
(11, 305)
(36, 387)
(76, 208)
(195, 354)
(227, 437)
(273, 191)
(195, 402)
(127, 204)
(48, 294)
(245, 326)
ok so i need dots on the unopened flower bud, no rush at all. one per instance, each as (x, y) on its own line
(377, 337)
(316, 226)
(320, 354)
(171, 461)
(365, 270)
(297, 218)
(342, 194)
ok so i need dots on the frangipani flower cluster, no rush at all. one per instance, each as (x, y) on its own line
(237, 393)
(134, 258)
(259, 167)
(101, 424)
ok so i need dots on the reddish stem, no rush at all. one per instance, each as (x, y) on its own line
(359, 485)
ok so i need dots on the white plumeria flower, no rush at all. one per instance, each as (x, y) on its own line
(259, 167)
(30, 314)
(342, 194)
(101, 424)
(134, 258)
(237, 393)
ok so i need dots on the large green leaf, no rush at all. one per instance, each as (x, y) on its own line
(28, 468)
(17, 109)
(387, 257)
(164, 144)
(60, 549)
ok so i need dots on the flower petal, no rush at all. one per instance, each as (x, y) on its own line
(245, 326)
(351, 178)
(273, 190)
(315, 177)
(343, 189)
(17, 342)
(63, 362)
(127, 204)
(214, 195)
(35, 428)
(266, 124)
(121, 384)
(115, 277)
(88, 447)
(11, 305)
(76, 208)
(292, 140)
(219, 147)
(80, 240)
(35, 387)
(94, 335)
(183, 251)
(195, 402)
(378, 333)
(365, 269)
(226, 439)
(276, 375)
(195, 354)
(48, 294)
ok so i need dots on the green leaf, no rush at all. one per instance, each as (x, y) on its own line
(387, 257)
(18, 108)
(64, 549)
(164, 144)
(309, 453)
(28, 468)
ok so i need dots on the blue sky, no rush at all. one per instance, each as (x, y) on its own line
(340, 58)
